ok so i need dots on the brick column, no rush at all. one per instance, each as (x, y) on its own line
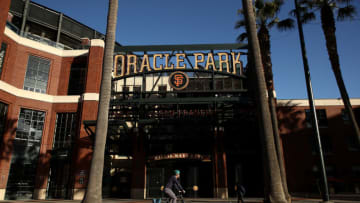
(4, 9)
(88, 111)
(138, 183)
(219, 165)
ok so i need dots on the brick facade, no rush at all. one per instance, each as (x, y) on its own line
(54, 101)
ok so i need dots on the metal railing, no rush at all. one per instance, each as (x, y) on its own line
(37, 38)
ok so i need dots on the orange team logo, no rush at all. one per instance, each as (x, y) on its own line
(178, 80)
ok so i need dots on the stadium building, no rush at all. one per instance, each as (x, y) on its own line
(163, 115)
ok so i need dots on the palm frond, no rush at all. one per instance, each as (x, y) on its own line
(273, 22)
(242, 37)
(240, 23)
(307, 17)
(309, 3)
(286, 24)
(292, 13)
(346, 12)
(259, 4)
(270, 10)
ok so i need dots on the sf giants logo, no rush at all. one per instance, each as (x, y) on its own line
(178, 80)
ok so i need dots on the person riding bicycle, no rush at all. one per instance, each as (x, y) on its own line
(174, 183)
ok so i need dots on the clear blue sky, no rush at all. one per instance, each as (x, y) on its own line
(144, 22)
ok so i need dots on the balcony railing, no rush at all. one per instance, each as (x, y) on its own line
(37, 38)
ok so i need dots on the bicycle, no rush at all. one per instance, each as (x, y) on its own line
(179, 198)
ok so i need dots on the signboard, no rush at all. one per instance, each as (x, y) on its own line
(221, 62)
(180, 156)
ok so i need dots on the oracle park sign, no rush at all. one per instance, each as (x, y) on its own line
(221, 59)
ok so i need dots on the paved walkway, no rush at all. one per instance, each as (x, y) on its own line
(200, 200)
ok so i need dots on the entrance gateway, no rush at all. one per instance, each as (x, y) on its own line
(185, 107)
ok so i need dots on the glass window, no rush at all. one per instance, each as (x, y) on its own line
(30, 125)
(321, 117)
(345, 116)
(137, 91)
(65, 130)
(2, 55)
(353, 143)
(162, 90)
(125, 90)
(77, 79)
(25, 154)
(326, 144)
(37, 74)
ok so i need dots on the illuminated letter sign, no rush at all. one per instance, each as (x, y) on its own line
(178, 80)
(131, 64)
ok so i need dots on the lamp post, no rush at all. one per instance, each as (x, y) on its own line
(315, 126)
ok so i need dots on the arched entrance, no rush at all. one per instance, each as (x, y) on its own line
(206, 128)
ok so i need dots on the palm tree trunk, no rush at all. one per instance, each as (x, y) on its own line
(264, 42)
(94, 190)
(328, 26)
(276, 193)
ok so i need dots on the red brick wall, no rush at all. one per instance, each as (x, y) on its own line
(14, 71)
(4, 9)
(94, 69)
(16, 61)
(298, 154)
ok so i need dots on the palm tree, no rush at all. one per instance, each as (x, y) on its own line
(275, 192)
(266, 18)
(94, 189)
(344, 11)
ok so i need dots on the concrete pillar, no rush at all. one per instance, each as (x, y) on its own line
(219, 165)
(138, 184)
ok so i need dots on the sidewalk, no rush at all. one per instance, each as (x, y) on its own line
(187, 200)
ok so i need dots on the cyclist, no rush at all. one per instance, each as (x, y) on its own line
(174, 183)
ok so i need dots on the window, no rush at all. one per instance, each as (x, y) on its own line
(326, 144)
(321, 117)
(30, 125)
(37, 74)
(2, 55)
(329, 168)
(77, 79)
(353, 143)
(162, 90)
(125, 90)
(26, 150)
(357, 115)
(65, 130)
(137, 92)
(345, 116)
